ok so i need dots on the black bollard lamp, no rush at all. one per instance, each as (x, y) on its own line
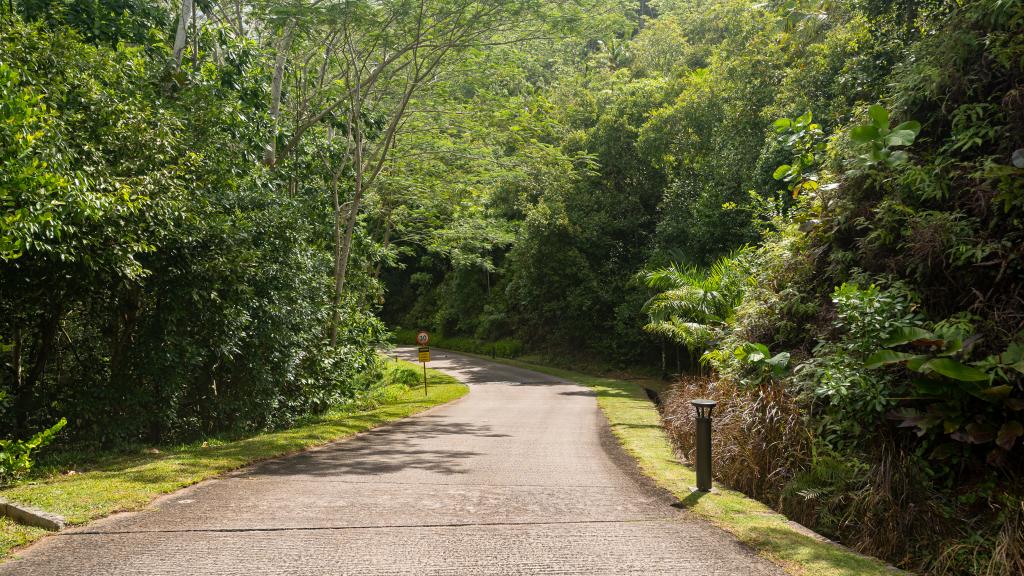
(703, 408)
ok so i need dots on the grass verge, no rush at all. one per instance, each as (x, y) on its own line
(636, 423)
(120, 482)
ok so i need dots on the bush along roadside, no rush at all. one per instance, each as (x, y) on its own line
(868, 355)
(861, 390)
(85, 487)
(16, 456)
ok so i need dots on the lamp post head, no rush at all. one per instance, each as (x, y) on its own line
(704, 407)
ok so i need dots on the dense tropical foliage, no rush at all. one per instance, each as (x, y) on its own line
(818, 204)
(811, 210)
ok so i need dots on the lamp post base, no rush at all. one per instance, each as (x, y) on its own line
(713, 490)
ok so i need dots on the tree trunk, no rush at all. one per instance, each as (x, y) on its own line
(123, 333)
(339, 270)
(17, 358)
(355, 135)
(341, 265)
(280, 59)
(195, 41)
(23, 404)
(664, 361)
(181, 36)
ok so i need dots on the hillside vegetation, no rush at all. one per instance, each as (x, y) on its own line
(814, 209)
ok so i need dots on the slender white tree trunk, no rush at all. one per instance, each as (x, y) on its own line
(341, 258)
(181, 36)
(338, 267)
(280, 59)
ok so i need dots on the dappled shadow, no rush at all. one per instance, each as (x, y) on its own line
(401, 446)
(587, 393)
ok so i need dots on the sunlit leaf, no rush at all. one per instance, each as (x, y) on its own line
(900, 138)
(907, 334)
(909, 126)
(954, 369)
(885, 357)
(879, 116)
(864, 134)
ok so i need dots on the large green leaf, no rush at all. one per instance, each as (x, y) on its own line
(907, 334)
(884, 357)
(911, 125)
(896, 158)
(995, 392)
(916, 362)
(864, 134)
(779, 361)
(781, 171)
(954, 369)
(980, 433)
(900, 138)
(879, 116)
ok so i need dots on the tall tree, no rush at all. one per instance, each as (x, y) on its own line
(381, 54)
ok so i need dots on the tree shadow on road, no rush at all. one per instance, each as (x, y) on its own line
(388, 450)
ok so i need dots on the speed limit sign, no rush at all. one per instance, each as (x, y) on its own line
(422, 338)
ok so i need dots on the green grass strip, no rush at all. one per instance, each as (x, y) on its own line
(117, 483)
(636, 423)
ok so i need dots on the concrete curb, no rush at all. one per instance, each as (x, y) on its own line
(30, 516)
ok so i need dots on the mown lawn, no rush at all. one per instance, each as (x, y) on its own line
(636, 423)
(120, 482)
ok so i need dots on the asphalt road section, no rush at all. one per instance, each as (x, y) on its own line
(519, 477)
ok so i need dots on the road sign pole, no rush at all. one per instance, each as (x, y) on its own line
(422, 338)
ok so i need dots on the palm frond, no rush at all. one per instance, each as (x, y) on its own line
(704, 296)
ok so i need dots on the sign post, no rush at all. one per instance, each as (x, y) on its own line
(422, 338)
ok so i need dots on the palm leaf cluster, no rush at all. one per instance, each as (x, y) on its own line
(693, 303)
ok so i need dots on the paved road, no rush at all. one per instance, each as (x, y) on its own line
(519, 477)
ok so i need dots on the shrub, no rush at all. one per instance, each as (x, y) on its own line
(760, 439)
(16, 455)
(398, 374)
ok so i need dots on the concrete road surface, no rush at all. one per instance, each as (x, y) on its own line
(519, 477)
